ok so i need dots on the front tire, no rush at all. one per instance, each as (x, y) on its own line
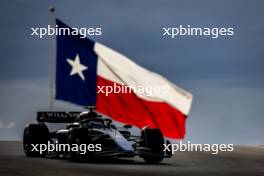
(153, 140)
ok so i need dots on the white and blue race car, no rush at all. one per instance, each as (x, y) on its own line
(91, 128)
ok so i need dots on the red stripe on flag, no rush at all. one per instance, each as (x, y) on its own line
(130, 109)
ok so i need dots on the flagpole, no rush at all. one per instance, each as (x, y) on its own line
(52, 59)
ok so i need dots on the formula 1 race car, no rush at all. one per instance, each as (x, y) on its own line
(91, 128)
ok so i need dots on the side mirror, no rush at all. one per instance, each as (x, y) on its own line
(127, 126)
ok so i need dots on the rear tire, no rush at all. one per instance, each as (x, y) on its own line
(153, 140)
(35, 134)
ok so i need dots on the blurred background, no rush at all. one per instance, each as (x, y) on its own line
(225, 75)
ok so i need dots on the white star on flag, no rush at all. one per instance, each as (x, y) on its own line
(77, 67)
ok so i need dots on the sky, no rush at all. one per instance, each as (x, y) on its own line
(225, 75)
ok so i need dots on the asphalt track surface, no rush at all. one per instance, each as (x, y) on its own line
(243, 161)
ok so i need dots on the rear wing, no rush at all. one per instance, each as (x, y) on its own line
(57, 117)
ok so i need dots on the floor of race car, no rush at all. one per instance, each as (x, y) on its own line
(243, 161)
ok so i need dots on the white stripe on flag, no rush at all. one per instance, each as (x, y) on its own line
(120, 69)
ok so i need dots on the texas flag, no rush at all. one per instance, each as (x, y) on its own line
(85, 68)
